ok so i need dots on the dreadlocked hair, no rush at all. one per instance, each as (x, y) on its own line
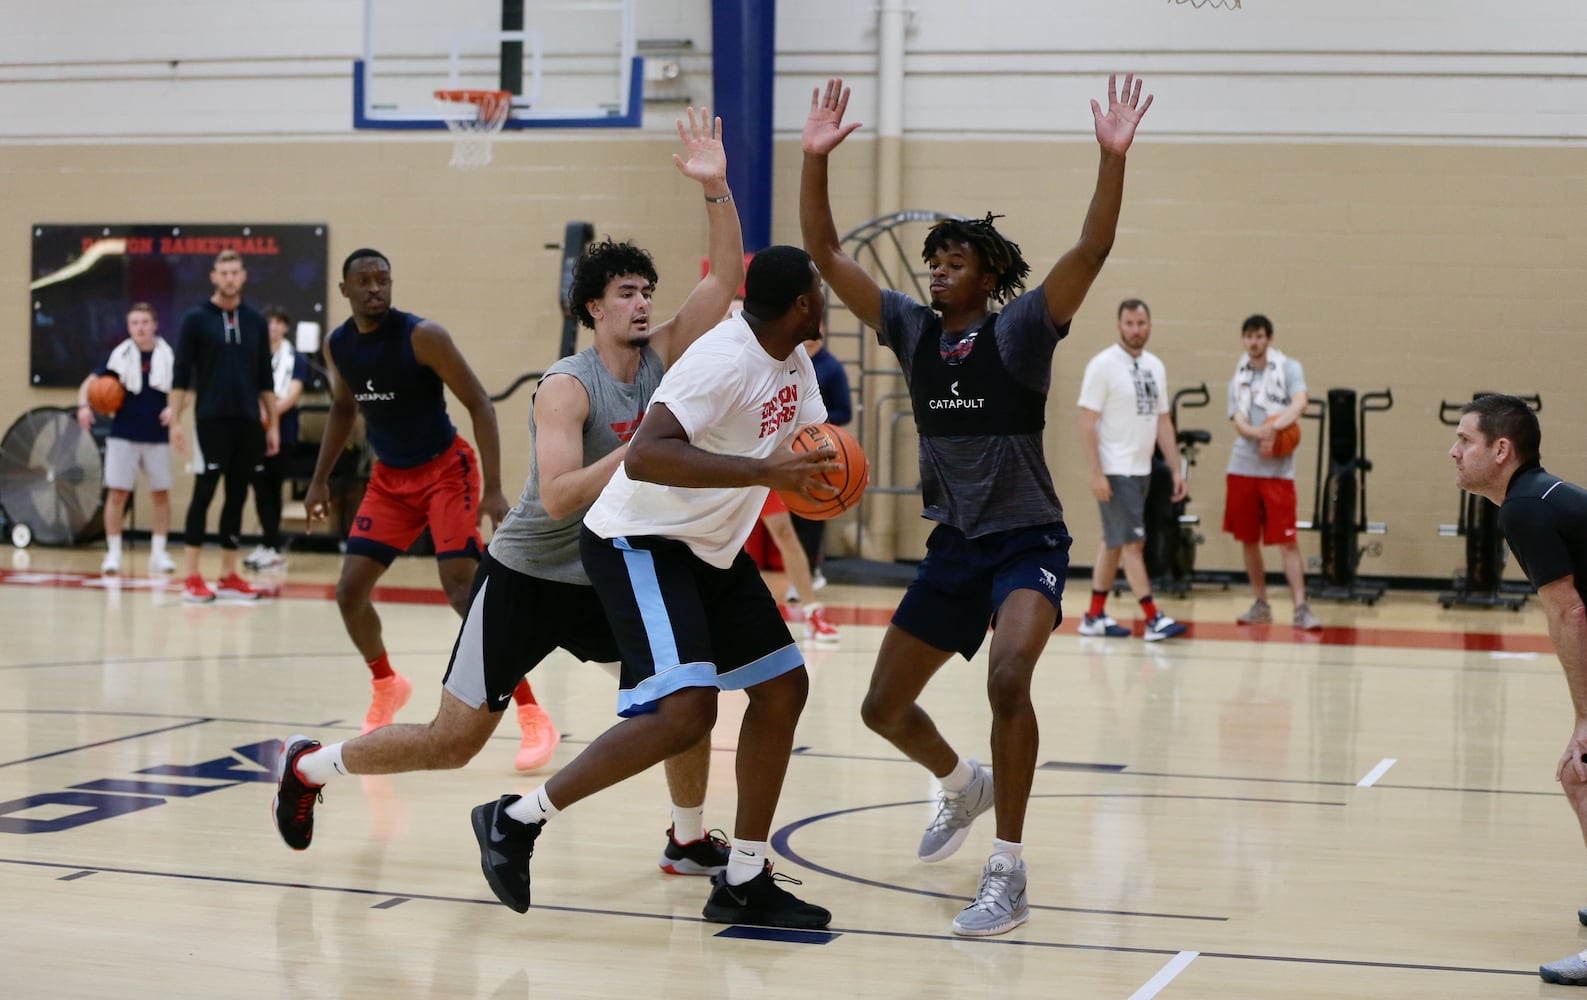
(999, 254)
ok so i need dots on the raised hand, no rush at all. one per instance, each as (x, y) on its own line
(824, 129)
(1116, 129)
(702, 140)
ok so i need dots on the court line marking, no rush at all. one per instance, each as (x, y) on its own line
(860, 932)
(1373, 775)
(101, 743)
(1165, 975)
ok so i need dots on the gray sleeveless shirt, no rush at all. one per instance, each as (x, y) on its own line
(528, 539)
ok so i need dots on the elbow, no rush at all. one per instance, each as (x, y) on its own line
(555, 507)
(641, 462)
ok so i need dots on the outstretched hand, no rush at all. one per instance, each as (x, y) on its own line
(824, 129)
(702, 140)
(1116, 129)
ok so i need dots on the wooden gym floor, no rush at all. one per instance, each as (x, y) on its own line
(1365, 812)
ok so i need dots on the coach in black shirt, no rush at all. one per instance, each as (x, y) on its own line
(1544, 520)
(223, 356)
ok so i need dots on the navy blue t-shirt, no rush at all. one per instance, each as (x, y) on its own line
(139, 416)
(289, 419)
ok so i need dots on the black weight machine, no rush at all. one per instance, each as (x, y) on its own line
(1340, 501)
(1482, 583)
(1171, 534)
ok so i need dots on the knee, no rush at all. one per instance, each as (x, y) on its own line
(1008, 691)
(784, 695)
(684, 718)
(450, 751)
(880, 713)
(351, 595)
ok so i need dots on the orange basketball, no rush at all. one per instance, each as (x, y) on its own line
(849, 481)
(105, 395)
(1285, 440)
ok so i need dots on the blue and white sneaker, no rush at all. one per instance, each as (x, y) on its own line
(1103, 625)
(1163, 627)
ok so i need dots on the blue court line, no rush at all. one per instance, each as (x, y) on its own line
(780, 838)
(858, 932)
(74, 876)
(101, 743)
(388, 904)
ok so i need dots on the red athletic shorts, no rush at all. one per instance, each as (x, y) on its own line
(1260, 509)
(773, 505)
(442, 495)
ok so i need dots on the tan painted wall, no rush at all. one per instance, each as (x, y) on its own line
(1431, 270)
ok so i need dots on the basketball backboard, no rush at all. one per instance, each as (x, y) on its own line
(568, 63)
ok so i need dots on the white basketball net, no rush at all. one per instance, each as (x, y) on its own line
(1230, 4)
(472, 137)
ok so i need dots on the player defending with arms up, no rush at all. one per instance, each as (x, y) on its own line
(1000, 552)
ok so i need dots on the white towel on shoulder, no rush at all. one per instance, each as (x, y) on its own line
(126, 361)
(1266, 388)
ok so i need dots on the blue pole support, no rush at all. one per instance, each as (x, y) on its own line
(744, 51)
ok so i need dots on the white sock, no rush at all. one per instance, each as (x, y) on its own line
(958, 779)
(113, 544)
(157, 545)
(1009, 849)
(319, 766)
(688, 823)
(533, 808)
(747, 860)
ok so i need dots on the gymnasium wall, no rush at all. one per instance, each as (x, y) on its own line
(1396, 184)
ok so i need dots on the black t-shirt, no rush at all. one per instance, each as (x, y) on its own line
(1544, 519)
(224, 356)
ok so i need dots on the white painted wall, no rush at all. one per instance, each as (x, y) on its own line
(1326, 70)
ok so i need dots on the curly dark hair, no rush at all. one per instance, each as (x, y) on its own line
(599, 264)
(999, 254)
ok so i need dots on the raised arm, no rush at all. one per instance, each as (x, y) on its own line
(824, 130)
(434, 347)
(1066, 284)
(566, 483)
(706, 304)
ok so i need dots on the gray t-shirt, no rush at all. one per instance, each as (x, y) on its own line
(531, 541)
(1245, 459)
(985, 484)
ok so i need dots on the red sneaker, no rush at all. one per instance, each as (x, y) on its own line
(388, 695)
(817, 627)
(194, 591)
(235, 588)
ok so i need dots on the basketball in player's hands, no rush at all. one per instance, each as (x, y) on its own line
(849, 479)
(105, 395)
(1284, 440)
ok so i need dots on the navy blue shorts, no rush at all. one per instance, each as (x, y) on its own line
(963, 581)
(681, 622)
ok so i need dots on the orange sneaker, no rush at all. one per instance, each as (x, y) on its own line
(817, 627)
(540, 738)
(390, 694)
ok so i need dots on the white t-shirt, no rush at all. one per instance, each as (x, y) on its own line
(732, 398)
(1128, 394)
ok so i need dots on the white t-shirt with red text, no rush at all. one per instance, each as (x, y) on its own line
(732, 398)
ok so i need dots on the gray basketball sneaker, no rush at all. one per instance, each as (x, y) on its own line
(999, 904)
(1570, 971)
(955, 812)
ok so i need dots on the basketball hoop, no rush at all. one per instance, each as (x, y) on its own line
(472, 136)
(1229, 4)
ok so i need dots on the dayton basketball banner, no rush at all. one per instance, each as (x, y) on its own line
(84, 277)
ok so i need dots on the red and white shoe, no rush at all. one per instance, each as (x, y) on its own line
(387, 696)
(817, 628)
(196, 591)
(234, 588)
(540, 738)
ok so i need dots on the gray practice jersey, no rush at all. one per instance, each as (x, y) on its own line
(531, 541)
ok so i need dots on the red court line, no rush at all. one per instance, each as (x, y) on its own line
(846, 614)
